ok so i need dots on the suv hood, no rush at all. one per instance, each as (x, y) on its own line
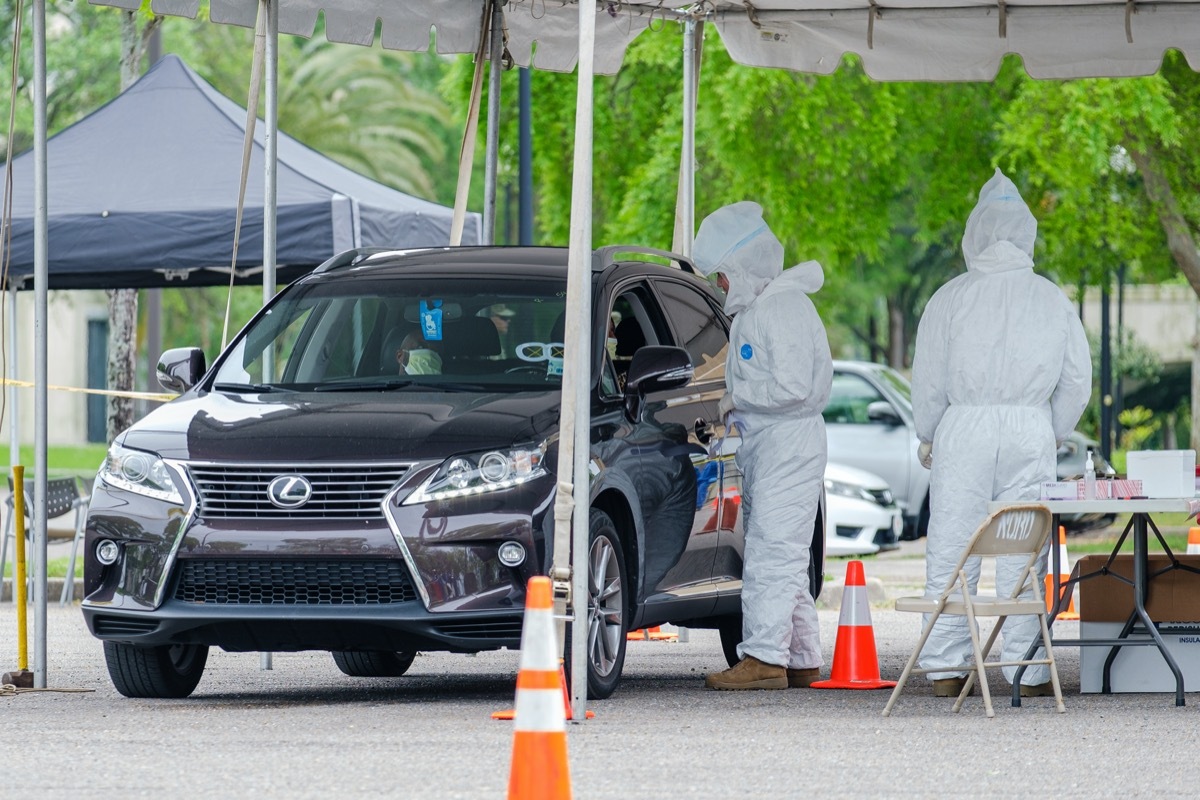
(374, 426)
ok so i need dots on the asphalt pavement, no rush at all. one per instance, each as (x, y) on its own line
(305, 730)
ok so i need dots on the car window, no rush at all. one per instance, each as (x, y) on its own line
(698, 329)
(635, 321)
(849, 399)
(454, 331)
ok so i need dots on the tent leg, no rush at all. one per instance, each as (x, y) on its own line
(271, 149)
(41, 334)
(14, 398)
(492, 156)
(685, 201)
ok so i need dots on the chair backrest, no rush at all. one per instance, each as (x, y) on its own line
(61, 496)
(1013, 531)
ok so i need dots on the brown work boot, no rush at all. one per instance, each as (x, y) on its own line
(950, 687)
(802, 678)
(1037, 689)
(749, 673)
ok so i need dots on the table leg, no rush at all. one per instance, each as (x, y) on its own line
(1141, 588)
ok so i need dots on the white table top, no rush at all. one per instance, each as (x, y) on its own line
(1186, 505)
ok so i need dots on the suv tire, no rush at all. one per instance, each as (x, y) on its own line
(165, 671)
(608, 608)
(373, 663)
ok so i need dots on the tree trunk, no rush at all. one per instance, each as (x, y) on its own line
(897, 340)
(1183, 246)
(123, 303)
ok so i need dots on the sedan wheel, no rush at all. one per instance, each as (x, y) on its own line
(169, 670)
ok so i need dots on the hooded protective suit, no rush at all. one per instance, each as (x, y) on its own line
(1001, 373)
(778, 375)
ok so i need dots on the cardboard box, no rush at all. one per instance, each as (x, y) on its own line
(1061, 490)
(1141, 668)
(1163, 473)
(1174, 596)
(1105, 603)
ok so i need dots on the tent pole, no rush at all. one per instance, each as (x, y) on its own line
(575, 422)
(492, 157)
(685, 203)
(41, 332)
(271, 149)
(14, 397)
(270, 190)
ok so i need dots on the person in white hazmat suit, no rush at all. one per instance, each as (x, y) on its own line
(778, 378)
(1001, 375)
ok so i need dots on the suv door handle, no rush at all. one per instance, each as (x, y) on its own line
(703, 430)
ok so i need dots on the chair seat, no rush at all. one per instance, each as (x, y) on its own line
(985, 606)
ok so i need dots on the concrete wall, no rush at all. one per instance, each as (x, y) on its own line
(1164, 318)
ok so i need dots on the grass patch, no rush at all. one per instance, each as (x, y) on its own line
(55, 568)
(64, 461)
(1075, 547)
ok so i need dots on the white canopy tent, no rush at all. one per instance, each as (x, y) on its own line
(935, 40)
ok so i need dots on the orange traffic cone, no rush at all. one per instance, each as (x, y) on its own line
(655, 634)
(1064, 573)
(855, 664)
(1193, 541)
(566, 693)
(539, 754)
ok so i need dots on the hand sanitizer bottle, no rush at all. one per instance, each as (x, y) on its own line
(1089, 478)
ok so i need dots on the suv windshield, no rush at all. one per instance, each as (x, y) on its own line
(453, 333)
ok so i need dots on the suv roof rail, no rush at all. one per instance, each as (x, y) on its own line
(605, 255)
(348, 258)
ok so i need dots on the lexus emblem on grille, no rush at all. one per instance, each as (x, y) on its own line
(289, 491)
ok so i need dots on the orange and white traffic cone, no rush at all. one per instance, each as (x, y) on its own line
(539, 754)
(655, 634)
(1064, 573)
(1193, 541)
(855, 663)
(566, 693)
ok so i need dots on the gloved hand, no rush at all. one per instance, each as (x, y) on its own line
(925, 455)
(725, 406)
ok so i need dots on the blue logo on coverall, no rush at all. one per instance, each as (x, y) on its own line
(747, 352)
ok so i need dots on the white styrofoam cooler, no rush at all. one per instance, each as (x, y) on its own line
(1163, 473)
(1141, 668)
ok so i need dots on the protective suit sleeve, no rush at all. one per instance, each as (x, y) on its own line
(790, 341)
(1074, 387)
(929, 396)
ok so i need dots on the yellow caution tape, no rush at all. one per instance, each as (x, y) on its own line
(105, 392)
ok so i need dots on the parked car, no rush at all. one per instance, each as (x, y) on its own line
(307, 492)
(869, 424)
(862, 514)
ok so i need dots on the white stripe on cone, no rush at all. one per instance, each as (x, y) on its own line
(540, 710)
(856, 610)
(538, 640)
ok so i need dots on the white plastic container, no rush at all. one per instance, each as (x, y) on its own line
(1163, 473)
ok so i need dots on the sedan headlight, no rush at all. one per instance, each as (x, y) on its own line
(881, 496)
(477, 473)
(140, 472)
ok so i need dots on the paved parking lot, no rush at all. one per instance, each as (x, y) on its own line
(304, 730)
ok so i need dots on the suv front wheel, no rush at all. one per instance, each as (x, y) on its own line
(606, 617)
(165, 671)
(373, 663)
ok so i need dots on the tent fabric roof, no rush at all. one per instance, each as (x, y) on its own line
(127, 211)
(935, 40)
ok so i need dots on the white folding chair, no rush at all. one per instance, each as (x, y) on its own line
(1013, 531)
(63, 495)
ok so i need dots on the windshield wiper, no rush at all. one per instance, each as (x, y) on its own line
(364, 386)
(248, 388)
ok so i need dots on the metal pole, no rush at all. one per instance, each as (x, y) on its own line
(1119, 402)
(1105, 374)
(270, 189)
(14, 410)
(575, 422)
(525, 210)
(492, 157)
(270, 149)
(41, 334)
(686, 211)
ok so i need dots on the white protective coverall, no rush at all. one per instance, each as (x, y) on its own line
(778, 377)
(1001, 373)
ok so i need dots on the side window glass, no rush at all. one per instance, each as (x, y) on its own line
(634, 322)
(698, 329)
(849, 399)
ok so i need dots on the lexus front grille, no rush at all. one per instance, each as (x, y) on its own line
(243, 491)
(300, 582)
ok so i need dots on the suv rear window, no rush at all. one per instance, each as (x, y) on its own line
(387, 333)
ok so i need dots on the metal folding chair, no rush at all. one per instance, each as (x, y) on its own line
(1013, 531)
(63, 495)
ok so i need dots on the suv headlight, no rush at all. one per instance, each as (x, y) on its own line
(477, 473)
(140, 472)
(852, 490)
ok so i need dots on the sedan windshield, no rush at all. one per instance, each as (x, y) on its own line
(396, 335)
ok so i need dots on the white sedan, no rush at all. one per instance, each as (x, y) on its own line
(861, 515)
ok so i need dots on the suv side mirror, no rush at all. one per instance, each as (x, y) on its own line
(653, 369)
(881, 411)
(180, 368)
